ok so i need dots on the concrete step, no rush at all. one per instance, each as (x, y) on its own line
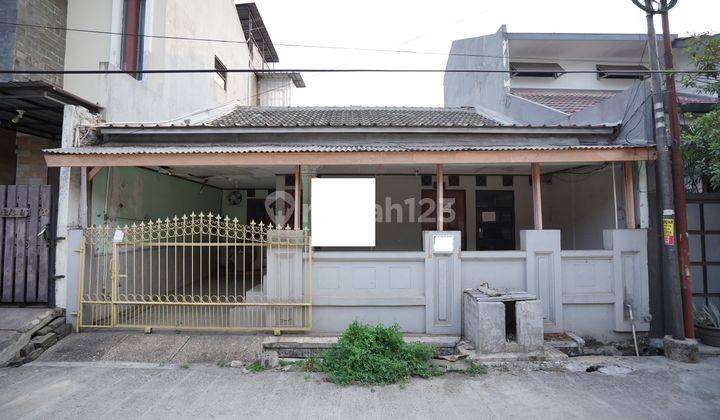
(303, 346)
(568, 343)
(25, 333)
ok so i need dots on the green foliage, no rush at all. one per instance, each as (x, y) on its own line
(701, 147)
(475, 369)
(704, 53)
(701, 137)
(255, 367)
(310, 364)
(372, 355)
(185, 365)
(708, 316)
(220, 363)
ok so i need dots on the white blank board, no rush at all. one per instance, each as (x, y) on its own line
(342, 211)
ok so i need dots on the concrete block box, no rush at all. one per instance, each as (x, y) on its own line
(484, 324)
(529, 318)
(511, 322)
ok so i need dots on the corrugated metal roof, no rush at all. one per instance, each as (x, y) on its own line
(333, 148)
(255, 30)
(37, 106)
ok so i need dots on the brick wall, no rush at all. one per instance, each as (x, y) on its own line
(30, 168)
(8, 13)
(37, 48)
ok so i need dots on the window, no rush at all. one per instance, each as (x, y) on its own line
(622, 72)
(132, 44)
(518, 69)
(220, 74)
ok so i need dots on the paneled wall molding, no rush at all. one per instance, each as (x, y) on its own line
(544, 274)
(443, 280)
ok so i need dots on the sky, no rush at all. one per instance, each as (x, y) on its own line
(422, 25)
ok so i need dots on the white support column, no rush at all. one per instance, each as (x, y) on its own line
(280, 204)
(307, 174)
(69, 214)
(643, 206)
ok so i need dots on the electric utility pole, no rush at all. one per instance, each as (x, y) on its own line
(671, 280)
(678, 178)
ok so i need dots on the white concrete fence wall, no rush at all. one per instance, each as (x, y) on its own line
(584, 291)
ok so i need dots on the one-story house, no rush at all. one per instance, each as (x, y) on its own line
(207, 223)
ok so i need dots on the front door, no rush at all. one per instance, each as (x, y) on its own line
(454, 218)
(495, 212)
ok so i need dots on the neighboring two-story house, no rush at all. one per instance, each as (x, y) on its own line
(540, 88)
(126, 35)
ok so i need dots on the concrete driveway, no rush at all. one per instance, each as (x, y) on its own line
(656, 388)
(158, 347)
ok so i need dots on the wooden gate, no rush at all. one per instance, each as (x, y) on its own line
(196, 272)
(24, 243)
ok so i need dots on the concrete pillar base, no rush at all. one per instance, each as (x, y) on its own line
(685, 351)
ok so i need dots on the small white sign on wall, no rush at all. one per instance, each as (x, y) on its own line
(342, 212)
(443, 244)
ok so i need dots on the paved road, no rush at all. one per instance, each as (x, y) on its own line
(657, 388)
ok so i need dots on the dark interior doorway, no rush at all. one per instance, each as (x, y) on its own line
(495, 212)
(256, 211)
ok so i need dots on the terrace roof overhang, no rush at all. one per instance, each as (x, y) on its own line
(154, 145)
(36, 108)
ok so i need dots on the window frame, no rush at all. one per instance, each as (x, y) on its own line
(220, 74)
(133, 39)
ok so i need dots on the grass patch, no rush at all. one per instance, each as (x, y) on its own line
(284, 362)
(220, 363)
(185, 365)
(475, 369)
(255, 367)
(310, 364)
(373, 355)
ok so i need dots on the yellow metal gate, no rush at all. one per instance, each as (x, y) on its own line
(196, 272)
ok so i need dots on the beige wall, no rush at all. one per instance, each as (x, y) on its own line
(581, 206)
(158, 96)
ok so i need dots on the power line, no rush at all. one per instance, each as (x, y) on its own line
(354, 70)
(293, 45)
(235, 41)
